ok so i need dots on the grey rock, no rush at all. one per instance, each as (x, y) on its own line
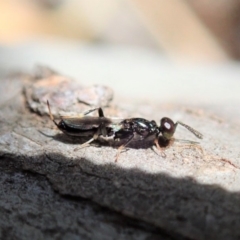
(193, 193)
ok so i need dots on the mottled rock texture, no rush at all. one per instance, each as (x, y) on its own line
(53, 189)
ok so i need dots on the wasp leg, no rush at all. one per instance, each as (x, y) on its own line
(95, 136)
(190, 144)
(123, 146)
(100, 113)
(50, 114)
(101, 131)
(163, 154)
(86, 143)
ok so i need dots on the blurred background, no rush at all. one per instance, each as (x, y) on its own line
(169, 50)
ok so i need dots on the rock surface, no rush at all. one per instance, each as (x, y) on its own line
(48, 182)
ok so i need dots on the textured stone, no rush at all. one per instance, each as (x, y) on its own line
(191, 193)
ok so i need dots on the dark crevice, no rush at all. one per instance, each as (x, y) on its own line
(111, 216)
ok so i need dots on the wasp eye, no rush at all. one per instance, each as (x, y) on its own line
(167, 124)
(167, 127)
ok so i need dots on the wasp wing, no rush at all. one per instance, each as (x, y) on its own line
(87, 123)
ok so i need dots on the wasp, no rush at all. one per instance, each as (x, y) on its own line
(140, 129)
(86, 126)
(124, 130)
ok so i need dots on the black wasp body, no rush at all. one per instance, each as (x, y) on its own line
(124, 130)
(140, 129)
(86, 126)
(136, 129)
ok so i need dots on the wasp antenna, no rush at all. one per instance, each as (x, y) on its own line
(186, 141)
(195, 132)
(50, 114)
